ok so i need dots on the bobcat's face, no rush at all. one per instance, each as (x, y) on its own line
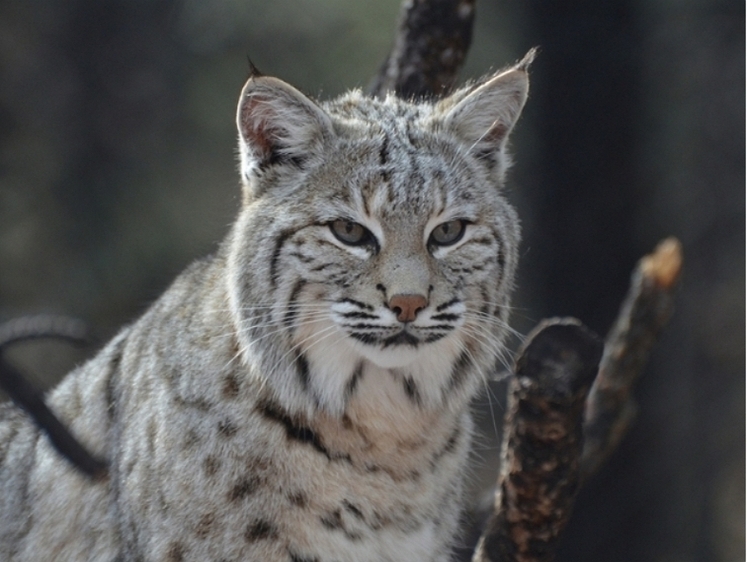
(384, 244)
(408, 258)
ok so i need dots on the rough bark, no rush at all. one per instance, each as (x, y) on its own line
(540, 471)
(611, 408)
(559, 430)
(431, 43)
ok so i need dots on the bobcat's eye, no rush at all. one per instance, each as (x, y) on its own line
(448, 233)
(350, 233)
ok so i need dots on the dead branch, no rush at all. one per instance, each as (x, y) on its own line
(540, 470)
(543, 463)
(610, 409)
(26, 396)
(43, 326)
(431, 43)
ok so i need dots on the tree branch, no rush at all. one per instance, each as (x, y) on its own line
(31, 400)
(431, 44)
(540, 469)
(610, 409)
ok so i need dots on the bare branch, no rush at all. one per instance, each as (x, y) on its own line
(430, 47)
(648, 306)
(23, 393)
(43, 326)
(540, 468)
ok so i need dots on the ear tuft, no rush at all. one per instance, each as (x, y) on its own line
(254, 72)
(277, 125)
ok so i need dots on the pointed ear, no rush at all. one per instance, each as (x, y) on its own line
(483, 117)
(277, 125)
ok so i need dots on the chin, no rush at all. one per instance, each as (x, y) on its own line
(392, 357)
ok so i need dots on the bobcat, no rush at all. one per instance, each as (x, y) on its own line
(302, 395)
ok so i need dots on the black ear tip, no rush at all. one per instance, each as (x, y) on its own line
(254, 72)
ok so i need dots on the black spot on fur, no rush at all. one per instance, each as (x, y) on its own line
(261, 529)
(191, 439)
(150, 435)
(448, 448)
(411, 391)
(357, 513)
(205, 525)
(332, 520)
(243, 488)
(363, 326)
(298, 499)
(384, 151)
(277, 157)
(302, 366)
(231, 387)
(226, 429)
(353, 381)
(175, 553)
(296, 431)
(295, 557)
(211, 465)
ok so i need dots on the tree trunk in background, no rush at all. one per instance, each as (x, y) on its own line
(638, 109)
(585, 103)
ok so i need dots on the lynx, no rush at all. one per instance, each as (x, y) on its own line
(303, 394)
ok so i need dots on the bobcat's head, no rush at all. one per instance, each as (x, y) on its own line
(374, 239)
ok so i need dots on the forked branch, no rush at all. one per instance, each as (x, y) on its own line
(543, 462)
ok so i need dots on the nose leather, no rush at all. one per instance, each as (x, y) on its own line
(406, 307)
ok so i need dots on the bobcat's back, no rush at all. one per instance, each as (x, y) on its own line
(302, 395)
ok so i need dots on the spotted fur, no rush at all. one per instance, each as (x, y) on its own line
(278, 403)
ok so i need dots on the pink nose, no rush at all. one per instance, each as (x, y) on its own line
(406, 307)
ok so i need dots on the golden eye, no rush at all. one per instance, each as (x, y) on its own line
(349, 232)
(448, 233)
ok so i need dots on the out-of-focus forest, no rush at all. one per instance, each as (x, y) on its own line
(117, 168)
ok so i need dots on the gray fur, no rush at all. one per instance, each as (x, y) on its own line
(270, 406)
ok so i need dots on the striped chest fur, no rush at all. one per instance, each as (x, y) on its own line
(304, 394)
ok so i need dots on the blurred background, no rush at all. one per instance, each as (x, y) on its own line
(117, 168)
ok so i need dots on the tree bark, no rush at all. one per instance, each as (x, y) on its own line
(610, 408)
(430, 47)
(540, 470)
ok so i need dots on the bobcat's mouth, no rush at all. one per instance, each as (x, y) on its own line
(401, 338)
